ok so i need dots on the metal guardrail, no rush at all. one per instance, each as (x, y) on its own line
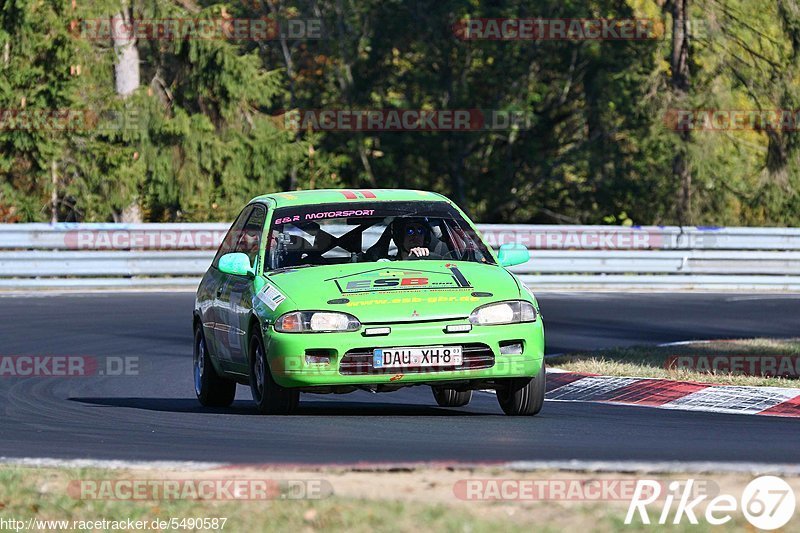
(111, 236)
(643, 237)
(562, 257)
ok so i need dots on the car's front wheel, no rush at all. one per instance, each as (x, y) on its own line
(450, 397)
(211, 389)
(523, 396)
(270, 398)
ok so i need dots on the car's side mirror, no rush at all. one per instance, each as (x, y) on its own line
(512, 254)
(236, 263)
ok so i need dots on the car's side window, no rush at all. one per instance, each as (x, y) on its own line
(233, 236)
(250, 240)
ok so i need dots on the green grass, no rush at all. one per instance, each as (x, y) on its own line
(41, 493)
(649, 361)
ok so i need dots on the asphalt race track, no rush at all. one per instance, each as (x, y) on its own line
(154, 415)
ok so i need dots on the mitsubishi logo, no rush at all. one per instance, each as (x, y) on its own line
(414, 314)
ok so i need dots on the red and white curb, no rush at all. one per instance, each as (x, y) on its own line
(668, 394)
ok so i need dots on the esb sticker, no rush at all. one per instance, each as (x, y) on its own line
(271, 296)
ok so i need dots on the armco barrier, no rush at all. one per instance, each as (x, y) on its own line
(562, 257)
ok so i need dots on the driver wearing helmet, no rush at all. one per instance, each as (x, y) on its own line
(412, 237)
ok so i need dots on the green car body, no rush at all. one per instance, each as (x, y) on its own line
(243, 308)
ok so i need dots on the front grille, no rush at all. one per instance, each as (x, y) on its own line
(475, 356)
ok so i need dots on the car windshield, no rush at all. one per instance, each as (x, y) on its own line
(371, 232)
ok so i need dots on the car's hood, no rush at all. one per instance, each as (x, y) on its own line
(397, 291)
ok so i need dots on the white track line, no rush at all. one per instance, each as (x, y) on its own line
(655, 467)
(49, 462)
(659, 467)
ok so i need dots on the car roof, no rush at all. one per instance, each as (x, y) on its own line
(330, 196)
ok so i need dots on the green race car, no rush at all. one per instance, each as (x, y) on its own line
(332, 291)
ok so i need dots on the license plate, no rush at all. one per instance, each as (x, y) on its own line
(409, 356)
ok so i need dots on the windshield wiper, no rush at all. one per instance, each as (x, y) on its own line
(286, 268)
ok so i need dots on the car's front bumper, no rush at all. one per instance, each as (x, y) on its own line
(350, 354)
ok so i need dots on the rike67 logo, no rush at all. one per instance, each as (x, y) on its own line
(767, 502)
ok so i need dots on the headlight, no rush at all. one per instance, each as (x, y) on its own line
(510, 312)
(316, 322)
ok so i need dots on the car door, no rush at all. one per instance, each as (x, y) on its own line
(235, 299)
(214, 327)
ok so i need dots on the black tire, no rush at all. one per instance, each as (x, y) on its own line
(211, 389)
(270, 398)
(451, 397)
(523, 396)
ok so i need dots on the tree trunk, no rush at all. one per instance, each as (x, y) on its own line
(287, 58)
(784, 146)
(53, 192)
(680, 88)
(126, 71)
